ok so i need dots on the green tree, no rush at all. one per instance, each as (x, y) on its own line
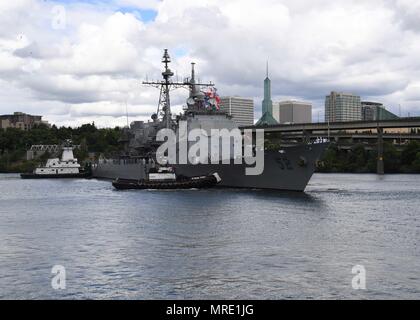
(392, 158)
(15, 142)
(409, 153)
(416, 163)
(357, 161)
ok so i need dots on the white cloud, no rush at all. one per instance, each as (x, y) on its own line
(90, 69)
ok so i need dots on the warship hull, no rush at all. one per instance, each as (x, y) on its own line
(289, 169)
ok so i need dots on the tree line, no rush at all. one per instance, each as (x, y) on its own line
(358, 159)
(14, 143)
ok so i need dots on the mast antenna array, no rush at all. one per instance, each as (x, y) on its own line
(166, 85)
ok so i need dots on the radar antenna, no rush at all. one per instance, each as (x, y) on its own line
(164, 106)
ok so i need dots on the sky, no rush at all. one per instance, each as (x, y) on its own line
(76, 61)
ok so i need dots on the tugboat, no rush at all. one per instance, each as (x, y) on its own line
(67, 167)
(165, 178)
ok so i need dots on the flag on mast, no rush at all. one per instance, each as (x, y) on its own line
(212, 99)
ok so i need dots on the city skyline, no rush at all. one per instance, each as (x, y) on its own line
(82, 61)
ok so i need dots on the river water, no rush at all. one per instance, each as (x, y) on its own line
(211, 244)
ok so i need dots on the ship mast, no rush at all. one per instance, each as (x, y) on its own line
(166, 85)
(167, 74)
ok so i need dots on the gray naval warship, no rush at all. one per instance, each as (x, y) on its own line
(289, 168)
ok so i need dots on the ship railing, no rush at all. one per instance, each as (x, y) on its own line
(123, 161)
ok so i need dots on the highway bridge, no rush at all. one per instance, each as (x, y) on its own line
(409, 123)
(356, 136)
(354, 131)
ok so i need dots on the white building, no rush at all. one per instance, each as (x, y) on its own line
(241, 109)
(292, 112)
(342, 107)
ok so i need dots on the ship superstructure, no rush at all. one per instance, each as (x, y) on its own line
(65, 167)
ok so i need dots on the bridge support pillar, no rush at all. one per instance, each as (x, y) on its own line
(380, 165)
(306, 136)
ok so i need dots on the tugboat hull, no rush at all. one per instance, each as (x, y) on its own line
(192, 183)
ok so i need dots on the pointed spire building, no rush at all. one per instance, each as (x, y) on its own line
(267, 104)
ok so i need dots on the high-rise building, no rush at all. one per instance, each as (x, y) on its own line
(342, 107)
(241, 109)
(267, 105)
(292, 112)
(372, 111)
(20, 120)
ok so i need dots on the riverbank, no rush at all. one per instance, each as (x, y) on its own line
(358, 159)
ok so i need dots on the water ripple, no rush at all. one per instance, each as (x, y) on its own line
(215, 244)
